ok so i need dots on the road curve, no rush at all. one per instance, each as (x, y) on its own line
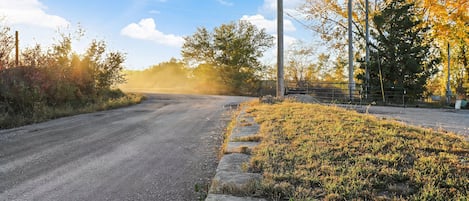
(157, 150)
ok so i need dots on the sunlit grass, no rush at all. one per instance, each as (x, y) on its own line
(318, 152)
(44, 113)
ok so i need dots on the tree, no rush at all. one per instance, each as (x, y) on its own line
(233, 49)
(323, 65)
(329, 19)
(7, 44)
(34, 56)
(337, 74)
(206, 80)
(299, 68)
(404, 55)
(170, 74)
(449, 20)
(106, 68)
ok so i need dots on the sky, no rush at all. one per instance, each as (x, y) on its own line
(147, 31)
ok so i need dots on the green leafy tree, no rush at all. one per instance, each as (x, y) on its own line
(106, 68)
(405, 57)
(206, 80)
(233, 49)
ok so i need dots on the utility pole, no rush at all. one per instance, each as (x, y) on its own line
(17, 52)
(351, 81)
(367, 56)
(448, 83)
(280, 77)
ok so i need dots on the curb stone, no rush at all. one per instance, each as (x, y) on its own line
(240, 147)
(232, 178)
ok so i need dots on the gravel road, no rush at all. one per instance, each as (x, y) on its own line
(157, 150)
(456, 121)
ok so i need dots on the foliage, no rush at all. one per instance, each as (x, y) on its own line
(447, 21)
(7, 44)
(21, 89)
(450, 27)
(175, 76)
(298, 67)
(172, 75)
(207, 80)
(404, 54)
(329, 19)
(106, 68)
(311, 152)
(233, 50)
(55, 78)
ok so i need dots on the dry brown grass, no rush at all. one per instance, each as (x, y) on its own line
(312, 152)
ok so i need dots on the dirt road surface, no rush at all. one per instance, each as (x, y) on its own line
(157, 150)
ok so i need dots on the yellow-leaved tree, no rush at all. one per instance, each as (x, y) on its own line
(449, 20)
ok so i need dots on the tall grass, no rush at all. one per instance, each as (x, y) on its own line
(43, 112)
(317, 152)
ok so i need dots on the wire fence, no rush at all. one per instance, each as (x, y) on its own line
(339, 92)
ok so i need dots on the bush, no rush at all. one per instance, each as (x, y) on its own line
(57, 78)
(20, 89)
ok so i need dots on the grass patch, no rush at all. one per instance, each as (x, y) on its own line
(43, 113)
(313, 152)
(253, 138)
(227, 133)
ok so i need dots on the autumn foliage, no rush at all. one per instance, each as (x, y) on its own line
(56, 77)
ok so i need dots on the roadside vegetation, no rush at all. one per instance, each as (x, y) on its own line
(52, 82)
(311, 151)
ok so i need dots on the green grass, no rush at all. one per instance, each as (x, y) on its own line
(311, 152)
(43, 113)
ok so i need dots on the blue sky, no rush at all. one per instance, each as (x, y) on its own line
(148, 31)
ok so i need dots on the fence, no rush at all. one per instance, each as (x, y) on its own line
(325, 92)
(338, 92)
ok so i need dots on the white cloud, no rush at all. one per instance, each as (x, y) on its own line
(288, 5)
(29, 12)
(270, 25)
(146, 30)
(225, 2)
